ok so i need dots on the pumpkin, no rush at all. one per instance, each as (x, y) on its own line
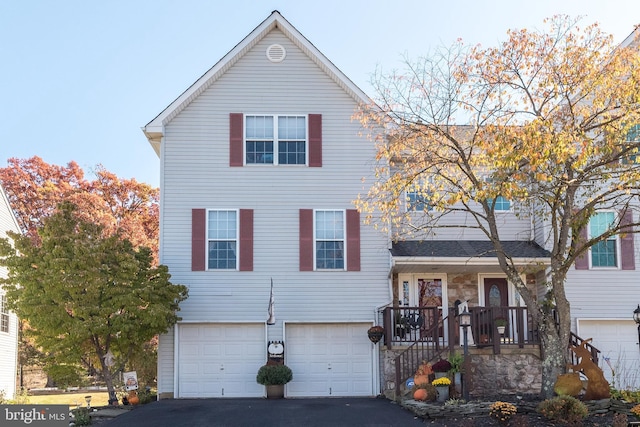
(133, 398)
(421, 379)
(420, 394)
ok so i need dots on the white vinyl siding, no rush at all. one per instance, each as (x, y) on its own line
(8, 319)
(196, 174)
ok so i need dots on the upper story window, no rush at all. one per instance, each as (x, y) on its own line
(280, 140)
(604, 253)
(330, 239)
(416, 201)
(4, 315)
(632, 138)
(222, 239)
(501, 204)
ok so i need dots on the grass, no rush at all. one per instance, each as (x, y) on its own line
(98, 398)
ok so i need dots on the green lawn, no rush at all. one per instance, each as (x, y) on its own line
(98, 398)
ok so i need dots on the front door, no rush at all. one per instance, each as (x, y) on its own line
(496, 292)
(425, 296)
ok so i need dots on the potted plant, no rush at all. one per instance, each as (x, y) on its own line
(375, 333)
(441, 367)
(456, 361)
(274, 377)
(501, 324)
(442, 385)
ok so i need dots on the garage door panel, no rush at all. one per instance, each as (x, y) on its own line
(616, 339)
(329, 360)
(220, 360)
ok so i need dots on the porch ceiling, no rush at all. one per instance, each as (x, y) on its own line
(463, 256)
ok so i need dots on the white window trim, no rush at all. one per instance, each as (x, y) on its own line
(275, 140)
(615, 237)
(344, 240)
(237, 239)
(4, 314)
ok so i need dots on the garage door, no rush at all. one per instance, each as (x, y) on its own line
(220, 360)
(329, 360)
(617, 340)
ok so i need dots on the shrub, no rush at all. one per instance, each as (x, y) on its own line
(636, 411)
(502, 411)
(564, 409)
(81, 417)
(274, 375)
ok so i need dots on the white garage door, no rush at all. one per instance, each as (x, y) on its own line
(220, 360)
(617, 340)
(329, 360)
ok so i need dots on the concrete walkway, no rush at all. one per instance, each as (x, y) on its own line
(334, 412)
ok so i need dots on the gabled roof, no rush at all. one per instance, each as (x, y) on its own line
(154, 130)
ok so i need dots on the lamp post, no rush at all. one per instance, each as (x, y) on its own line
(636, 317)
(465, 322)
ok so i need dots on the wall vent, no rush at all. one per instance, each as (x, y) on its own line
(276, 53)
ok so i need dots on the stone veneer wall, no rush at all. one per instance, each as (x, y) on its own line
(515, 370)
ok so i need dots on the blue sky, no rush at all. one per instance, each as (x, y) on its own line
(80, 78)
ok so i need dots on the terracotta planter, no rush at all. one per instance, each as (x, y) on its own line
(275, 391)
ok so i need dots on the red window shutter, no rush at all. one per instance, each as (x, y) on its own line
(627, 251)
(306, 239)
(198, 239)
(353, 240)
(246, 239)
(582, 262)
(236, 139)
(315, 140)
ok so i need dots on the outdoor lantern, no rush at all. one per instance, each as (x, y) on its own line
(465, 318)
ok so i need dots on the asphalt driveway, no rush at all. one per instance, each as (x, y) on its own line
(332, 412)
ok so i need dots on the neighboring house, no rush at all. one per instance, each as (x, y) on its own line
(260, 163)
(8, 319)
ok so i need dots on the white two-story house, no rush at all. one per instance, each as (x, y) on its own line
(260, 164)
(8, 319)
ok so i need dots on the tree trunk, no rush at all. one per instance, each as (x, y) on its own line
(553, 358)
(108, 379)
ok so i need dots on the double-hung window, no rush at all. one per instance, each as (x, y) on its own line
(330, 239)
(222, 239)
(604, 253)
(276, 140)
(4, 314)
(501, 204)
(416, 201)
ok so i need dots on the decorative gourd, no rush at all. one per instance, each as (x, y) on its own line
(421, 379)
(424, 369)
(420, 394)
(133, 398)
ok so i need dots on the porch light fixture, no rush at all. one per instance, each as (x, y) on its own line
(464, 320)
(636, 317)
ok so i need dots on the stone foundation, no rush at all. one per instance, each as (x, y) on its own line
(515, 370)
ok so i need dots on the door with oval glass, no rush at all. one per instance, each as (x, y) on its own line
(496, 294)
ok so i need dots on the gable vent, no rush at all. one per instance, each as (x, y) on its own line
(276, 53)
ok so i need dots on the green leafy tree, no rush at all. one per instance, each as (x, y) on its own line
(87, 296)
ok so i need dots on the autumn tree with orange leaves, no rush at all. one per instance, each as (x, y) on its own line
(35, 188)
(546, 120)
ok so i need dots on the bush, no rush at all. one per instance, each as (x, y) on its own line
(81, 417)
(563, 409)
(274, 375)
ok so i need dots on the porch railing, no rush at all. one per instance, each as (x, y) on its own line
(407, 325)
